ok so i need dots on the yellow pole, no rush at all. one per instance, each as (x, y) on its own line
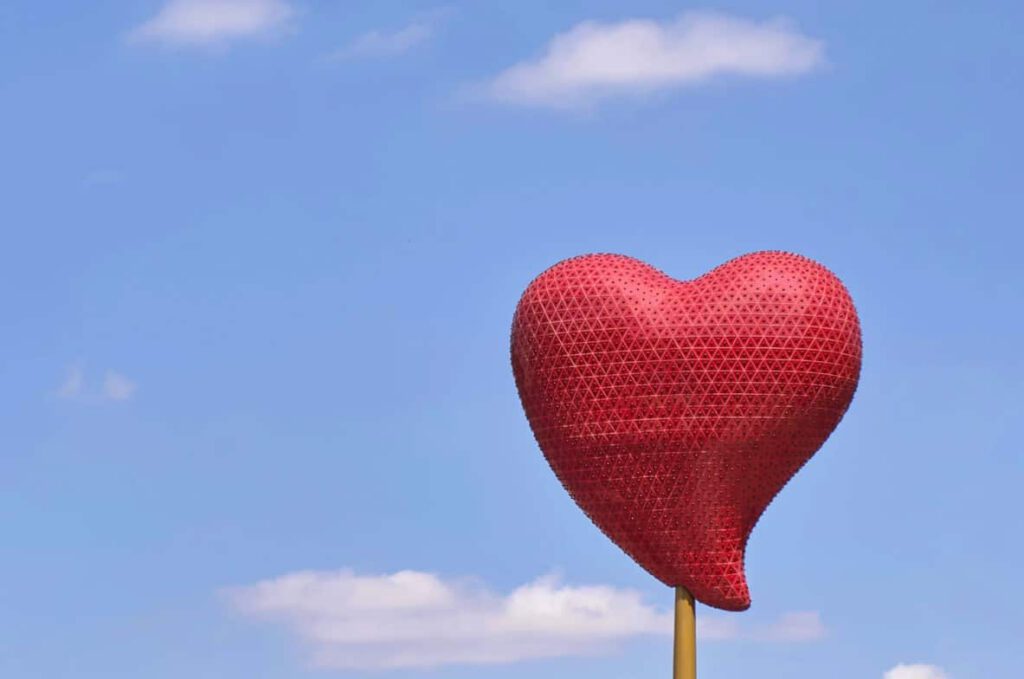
(684, 652)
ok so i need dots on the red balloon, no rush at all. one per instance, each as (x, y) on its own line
(674, 411)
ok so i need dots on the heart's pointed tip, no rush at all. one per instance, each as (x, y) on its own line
(726, 589)
(724, 602)
(735, 605)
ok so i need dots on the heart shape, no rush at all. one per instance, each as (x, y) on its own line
(674, 411)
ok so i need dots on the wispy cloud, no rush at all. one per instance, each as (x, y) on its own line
(214, 22)
(378, 44)
(594, 61)
(73, 383)
(916, 672)
(115, 387)
(102, 178)
(384, 44)
(797, 626)
(415, 619)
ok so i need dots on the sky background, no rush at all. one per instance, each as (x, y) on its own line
(258, 270)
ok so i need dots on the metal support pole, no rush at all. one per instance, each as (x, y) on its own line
(684, 652)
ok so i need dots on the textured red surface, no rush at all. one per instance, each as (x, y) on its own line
(674, 411)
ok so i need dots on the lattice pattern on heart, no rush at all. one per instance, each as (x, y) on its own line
(674, 411)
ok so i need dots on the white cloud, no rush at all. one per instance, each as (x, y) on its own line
(214, 22)
(594, 61)
(115, 387)
(916, 672)
(414, 619)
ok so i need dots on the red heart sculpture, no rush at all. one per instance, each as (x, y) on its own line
(674, 411)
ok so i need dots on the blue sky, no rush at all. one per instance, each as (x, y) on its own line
(260, 263)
